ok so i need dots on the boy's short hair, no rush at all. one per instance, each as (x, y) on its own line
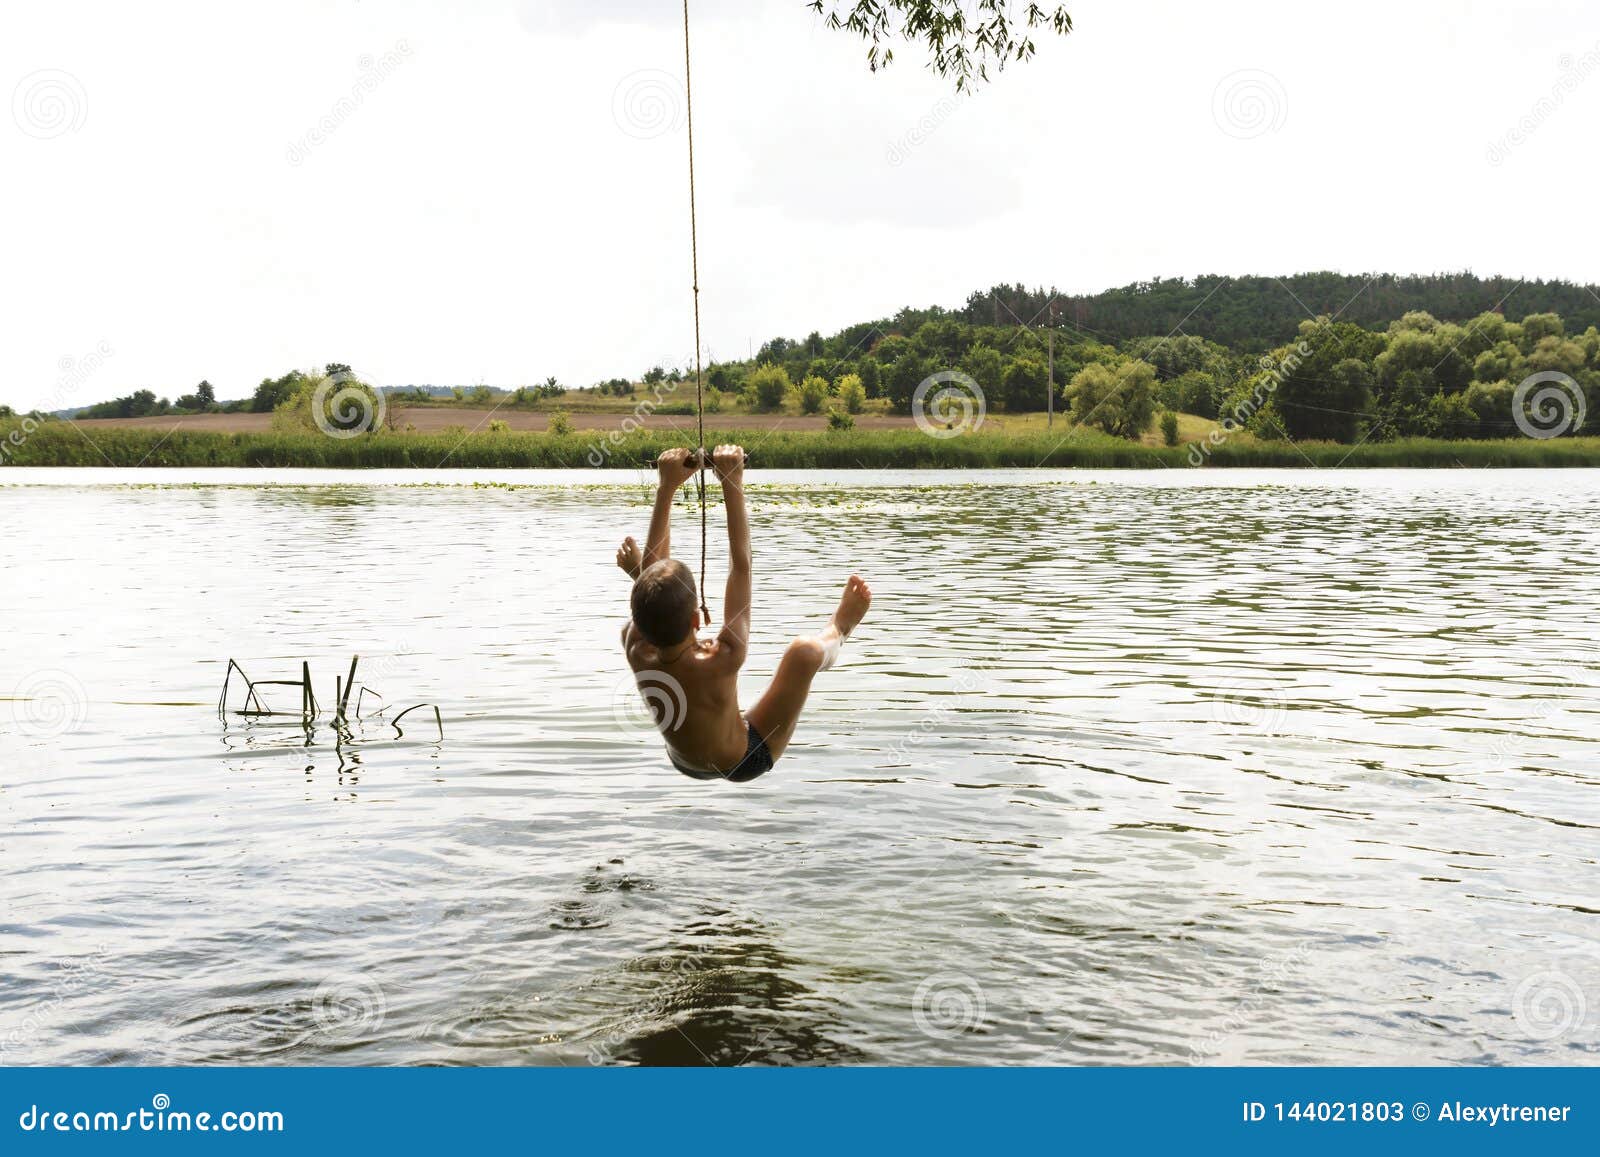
(664, 601)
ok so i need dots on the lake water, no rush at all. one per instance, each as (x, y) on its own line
(1175, 767)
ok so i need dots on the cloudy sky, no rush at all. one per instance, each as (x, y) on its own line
(450, 191)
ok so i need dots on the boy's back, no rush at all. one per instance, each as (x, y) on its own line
(702, 685)
(707, 736)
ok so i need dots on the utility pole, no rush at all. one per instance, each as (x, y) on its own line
(1050, 395)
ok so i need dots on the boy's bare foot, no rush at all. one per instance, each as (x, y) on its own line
(630, 558)
(852, 606)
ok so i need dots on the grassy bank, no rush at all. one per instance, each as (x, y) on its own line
(62, 444)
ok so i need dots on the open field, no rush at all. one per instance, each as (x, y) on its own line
(434, 419)
(474, 420)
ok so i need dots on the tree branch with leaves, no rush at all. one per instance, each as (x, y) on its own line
(963, 36)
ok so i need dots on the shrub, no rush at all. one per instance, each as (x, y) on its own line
(813, 394)
(1121, 403)
(498, 426)
(1023, 385)
(1169, 428)
(1450, 416)
(768, 385)
(852, 393)
(329, 404)
(869, 377)
(838, 420)
(1194, 392)
(560, 424)
(273, 392)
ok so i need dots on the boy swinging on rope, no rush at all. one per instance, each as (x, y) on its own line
(710, 739)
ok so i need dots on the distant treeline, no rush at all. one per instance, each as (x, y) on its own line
(1254, 314)
(273, 393)
(1318, 356)
(1332, 380)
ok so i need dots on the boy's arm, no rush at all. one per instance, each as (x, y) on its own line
(729, 463)
(673, 469)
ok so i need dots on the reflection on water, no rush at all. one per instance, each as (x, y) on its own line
(1172, 768)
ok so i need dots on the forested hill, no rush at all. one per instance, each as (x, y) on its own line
(1252, 314)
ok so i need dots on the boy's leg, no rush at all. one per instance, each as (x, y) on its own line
(778, 710)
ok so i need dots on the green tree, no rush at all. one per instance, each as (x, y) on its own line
(139, 404)
(1415, 321)
(327, 404)
(1450, 416)
(813, 394)
(963, 38)
(1558, 354)
(203, 398)
(869, 377)
(1324, 382)
(1502, 362)
(1491, 404)
(942, 339)
(1121, 402)
(769, 384)
(852, 393)
(273, 392)
(1023, 385)
(903, 377)
(1175, 356)
(984, 365)
(1538, 326)
(1591, 346)
(1192, 392)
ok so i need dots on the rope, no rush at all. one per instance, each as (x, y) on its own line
(694, 258)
